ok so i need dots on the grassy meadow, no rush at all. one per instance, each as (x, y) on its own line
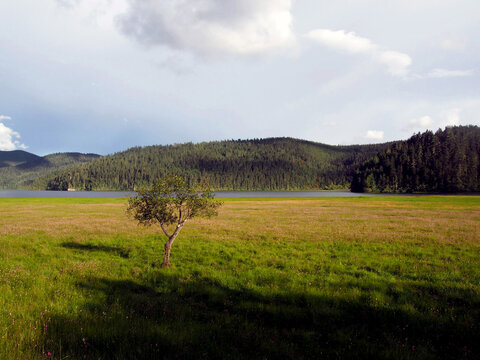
(328, 278)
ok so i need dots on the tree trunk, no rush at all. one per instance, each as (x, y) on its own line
(168, 246)
(166, 256)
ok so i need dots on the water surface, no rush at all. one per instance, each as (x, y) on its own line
(219, 194)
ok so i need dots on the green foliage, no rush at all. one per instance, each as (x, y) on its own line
(447, 161)
(171, 201)
(259, 164)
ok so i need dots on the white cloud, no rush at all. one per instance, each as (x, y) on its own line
(451, 117)
(375, 135)
(9, 138)
(4, 117)
(443, 73)
(421, 122)
(446, 117)
(341, 40)
(397, 63)
(210, 27)
(453, 44)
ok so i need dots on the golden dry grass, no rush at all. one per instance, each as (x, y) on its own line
(319, 220)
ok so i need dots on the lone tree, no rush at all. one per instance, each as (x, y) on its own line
(170, 202)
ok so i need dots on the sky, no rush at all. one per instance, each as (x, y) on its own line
(102, 76)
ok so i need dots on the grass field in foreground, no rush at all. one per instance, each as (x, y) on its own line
(269, 278)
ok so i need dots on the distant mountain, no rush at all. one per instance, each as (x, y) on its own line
(17, 157)
(260, 164)
(445, 161)
(20, 169)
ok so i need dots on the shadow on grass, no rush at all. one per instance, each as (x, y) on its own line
(167, 317)
(89, 247)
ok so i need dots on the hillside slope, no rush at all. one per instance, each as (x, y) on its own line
(20, 169)
(260, 164)
(17, 157)
(445, 161)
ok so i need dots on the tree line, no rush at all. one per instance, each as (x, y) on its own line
(258, 164)
(445, 161)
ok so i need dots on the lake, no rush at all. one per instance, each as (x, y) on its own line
(219, 194)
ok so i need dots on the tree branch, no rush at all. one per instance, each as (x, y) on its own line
(178, 228)
(162, 226)
(165, 231)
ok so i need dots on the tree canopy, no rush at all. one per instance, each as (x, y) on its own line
(170, 202)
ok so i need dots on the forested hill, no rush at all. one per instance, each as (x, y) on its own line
(445, 161)
(265, 164)
(20, 169)
(17, 157)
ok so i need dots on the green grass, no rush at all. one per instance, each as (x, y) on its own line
(377, 278)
